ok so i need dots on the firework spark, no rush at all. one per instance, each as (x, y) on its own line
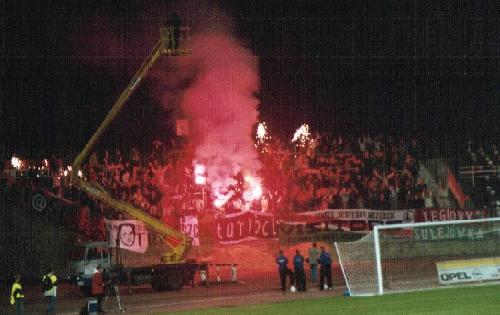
(301, 135)
(262, 138)
(261, 132)
(16, 162)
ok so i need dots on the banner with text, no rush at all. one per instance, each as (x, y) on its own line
(249, 225)
(439, 214)
(352, 219)
(470, 270)
(189, 225)
(337, 225)
(127, 234)
(450, 231)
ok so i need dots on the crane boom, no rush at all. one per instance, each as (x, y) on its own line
(124, 96)
(178, 241)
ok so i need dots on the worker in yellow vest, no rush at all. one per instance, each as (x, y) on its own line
(17, 296)
(49, 283)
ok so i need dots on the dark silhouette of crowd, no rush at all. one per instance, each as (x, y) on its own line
(346, 172)
(160, 182)
(327, 171)
(479, 174)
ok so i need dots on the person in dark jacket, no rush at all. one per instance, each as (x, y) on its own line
(300, 275)
(325, 261)
(284, 271)
(98, 288)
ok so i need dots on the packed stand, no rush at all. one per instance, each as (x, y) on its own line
(338, 172)
(159, 182)
(479, 174)
(329, 171)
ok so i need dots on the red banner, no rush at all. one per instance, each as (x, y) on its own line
(433, 214)
(243, 226)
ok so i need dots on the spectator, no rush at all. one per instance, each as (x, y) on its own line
(325, 261)
(312, 259)
(300, 276)
(284, 271)
(428, 198)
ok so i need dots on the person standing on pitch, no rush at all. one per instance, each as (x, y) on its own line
(49, 283)
(312, 259)
(300, 275)
(283, 270)
(325, 262)
(17, 295)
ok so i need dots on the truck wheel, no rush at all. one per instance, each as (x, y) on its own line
(156, 283)
(174, 281)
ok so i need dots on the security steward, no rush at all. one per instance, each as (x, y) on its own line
(284, 271)
(17, 296)
(50, 291)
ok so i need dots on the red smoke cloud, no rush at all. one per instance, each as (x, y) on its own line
(215, 87)
(222, 106)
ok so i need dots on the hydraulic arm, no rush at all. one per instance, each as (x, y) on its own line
(168, 44)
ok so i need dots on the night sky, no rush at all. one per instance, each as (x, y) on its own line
(425, 68)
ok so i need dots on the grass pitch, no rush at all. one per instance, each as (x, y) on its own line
(471, 300)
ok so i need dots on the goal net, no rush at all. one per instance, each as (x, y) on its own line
(422, 256)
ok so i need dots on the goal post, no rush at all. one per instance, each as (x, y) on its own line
(421, 256)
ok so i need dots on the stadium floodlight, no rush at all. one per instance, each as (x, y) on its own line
(421, 256)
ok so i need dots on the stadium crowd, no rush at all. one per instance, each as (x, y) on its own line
(479, 171)
(330, 172)
(327, 171)
(339, 172)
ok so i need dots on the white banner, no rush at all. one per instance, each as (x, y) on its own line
(400, 216)
(356, 220)
(470, 270)
(189, 225)
(127, 234)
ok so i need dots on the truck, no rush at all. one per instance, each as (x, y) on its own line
(160, 276)
(173, 270)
